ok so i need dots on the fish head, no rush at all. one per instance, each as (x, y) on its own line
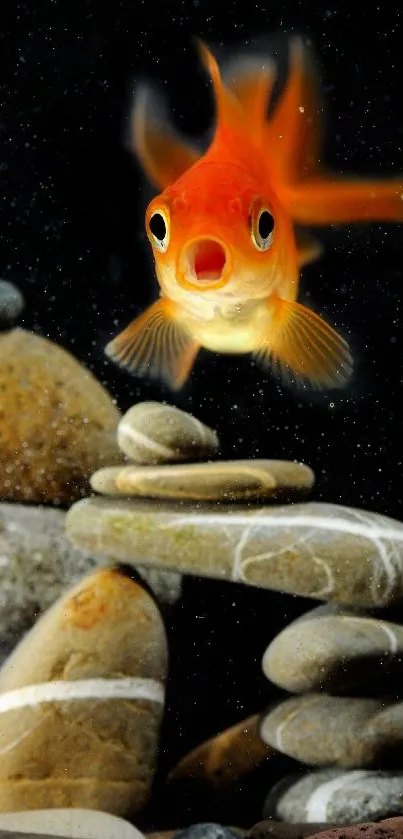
(216, 232)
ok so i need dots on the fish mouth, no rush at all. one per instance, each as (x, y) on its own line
(205, 264)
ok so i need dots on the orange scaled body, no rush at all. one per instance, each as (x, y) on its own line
(222, 229)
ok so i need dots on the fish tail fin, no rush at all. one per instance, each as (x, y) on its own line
(300, 344)
(156, 344)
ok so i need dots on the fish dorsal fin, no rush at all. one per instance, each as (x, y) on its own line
(294, 134)
(229, 112)
(163, 154)
(251, 80)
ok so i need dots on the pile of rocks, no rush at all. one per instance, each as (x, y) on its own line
(82, 694)
(193, 518)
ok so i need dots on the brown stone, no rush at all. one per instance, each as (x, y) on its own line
(81, 701)
(57, 422)
(225, 758)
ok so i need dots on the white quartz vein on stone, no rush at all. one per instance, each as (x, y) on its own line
(382, 625)
(82, 689)
(139, 438)
(374, 527)
(316, 808)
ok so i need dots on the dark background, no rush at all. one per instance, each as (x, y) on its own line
(71, 233)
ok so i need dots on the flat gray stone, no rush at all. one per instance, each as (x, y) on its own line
(324, 551)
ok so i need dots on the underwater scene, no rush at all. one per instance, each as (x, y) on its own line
(201, 519)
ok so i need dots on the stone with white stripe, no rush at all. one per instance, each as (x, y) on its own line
(81, 701)
(334, 797)
(323, 551)
(224, 480)
(333, 649)
(152, 433)
(319, 730)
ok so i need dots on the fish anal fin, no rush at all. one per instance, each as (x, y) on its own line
(300, 344)
(308, 248)
(156, 344)
(163, 154)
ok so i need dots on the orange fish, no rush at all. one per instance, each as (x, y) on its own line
(222, 231)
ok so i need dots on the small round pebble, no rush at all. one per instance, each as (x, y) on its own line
(153, 433)
(12, 302)
(207, 830)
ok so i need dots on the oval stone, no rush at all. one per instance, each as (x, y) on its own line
(338, 797)
(318, 729)
(324, 551)
(81, 701)
(331, 651)
(234, 480)
(152, 433)
(73, 823)
(224, 759)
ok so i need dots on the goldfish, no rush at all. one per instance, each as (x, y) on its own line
(227, 227)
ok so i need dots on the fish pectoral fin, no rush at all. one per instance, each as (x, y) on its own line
(156, 344)
(326, 200)
(299, 342)
(308, 248)
(164, 155)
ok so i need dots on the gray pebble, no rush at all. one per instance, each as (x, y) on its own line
(334, 797)
(206, 830)
(12, 302)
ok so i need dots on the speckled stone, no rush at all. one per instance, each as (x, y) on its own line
(81, 701)
(338, 797)
(38, 563)
(324, 551)
(207, 830)
(331, 651)
(318, 730)
(272, 829)
(73, 823)
(234, 480)
(151, 432)
(12, 303)
(224, 759)
(384, 829)
(57, 423)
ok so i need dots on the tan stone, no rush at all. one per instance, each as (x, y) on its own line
(57, 422)
(324, 551)
(151, 432)
(332, 651)
(234, 480)
(318, 730)
(81, 701)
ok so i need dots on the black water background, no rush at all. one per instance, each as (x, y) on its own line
(71, 237)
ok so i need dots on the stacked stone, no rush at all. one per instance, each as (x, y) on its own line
(195, 518)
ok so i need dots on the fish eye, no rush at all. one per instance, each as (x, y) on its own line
(262, 229)
(158, 230)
